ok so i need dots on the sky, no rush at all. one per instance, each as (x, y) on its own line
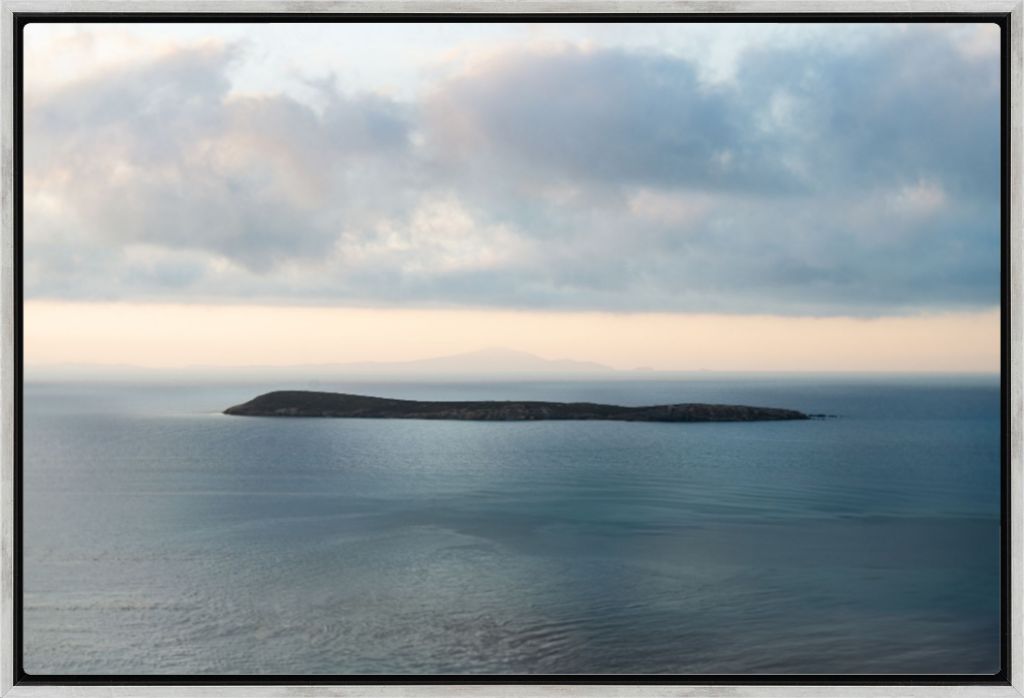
(680, 197)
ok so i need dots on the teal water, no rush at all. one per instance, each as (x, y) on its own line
(163, 537)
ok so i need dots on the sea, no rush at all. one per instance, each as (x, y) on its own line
(163, 537)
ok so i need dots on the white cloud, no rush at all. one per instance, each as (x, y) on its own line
(923, 198)
(676, 208)
(440, 235)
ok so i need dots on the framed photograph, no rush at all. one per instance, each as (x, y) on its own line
(605, 348)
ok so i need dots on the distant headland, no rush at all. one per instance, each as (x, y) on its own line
(305, 403)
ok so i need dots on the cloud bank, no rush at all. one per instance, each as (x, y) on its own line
(817, 180)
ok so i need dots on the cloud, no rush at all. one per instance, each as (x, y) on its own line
(607, 116)
(906, 107)
(159, 154)
(860, 178)
(921, 199)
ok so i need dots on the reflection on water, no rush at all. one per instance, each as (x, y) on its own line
(163, 537)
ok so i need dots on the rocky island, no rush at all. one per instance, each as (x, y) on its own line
(305, 403)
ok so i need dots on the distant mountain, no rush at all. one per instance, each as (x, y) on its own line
(492, 360)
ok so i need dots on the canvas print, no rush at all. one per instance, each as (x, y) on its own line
(511, 348)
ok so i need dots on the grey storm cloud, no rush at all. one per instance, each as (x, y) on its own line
(817, 181)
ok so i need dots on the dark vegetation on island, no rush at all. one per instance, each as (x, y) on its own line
(304, 403)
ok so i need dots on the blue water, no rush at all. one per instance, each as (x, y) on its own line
(164, 537)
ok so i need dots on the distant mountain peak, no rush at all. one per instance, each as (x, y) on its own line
(488, 361)
(495, 352)
(495, 360)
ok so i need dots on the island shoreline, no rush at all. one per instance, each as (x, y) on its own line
(311, 404)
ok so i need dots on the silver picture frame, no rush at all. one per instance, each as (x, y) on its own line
(10, 296)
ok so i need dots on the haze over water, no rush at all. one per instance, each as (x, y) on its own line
(164, 537)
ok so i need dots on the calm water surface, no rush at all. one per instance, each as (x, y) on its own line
(163, 537)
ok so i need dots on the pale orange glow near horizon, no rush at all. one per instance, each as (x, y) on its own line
(179, 336)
